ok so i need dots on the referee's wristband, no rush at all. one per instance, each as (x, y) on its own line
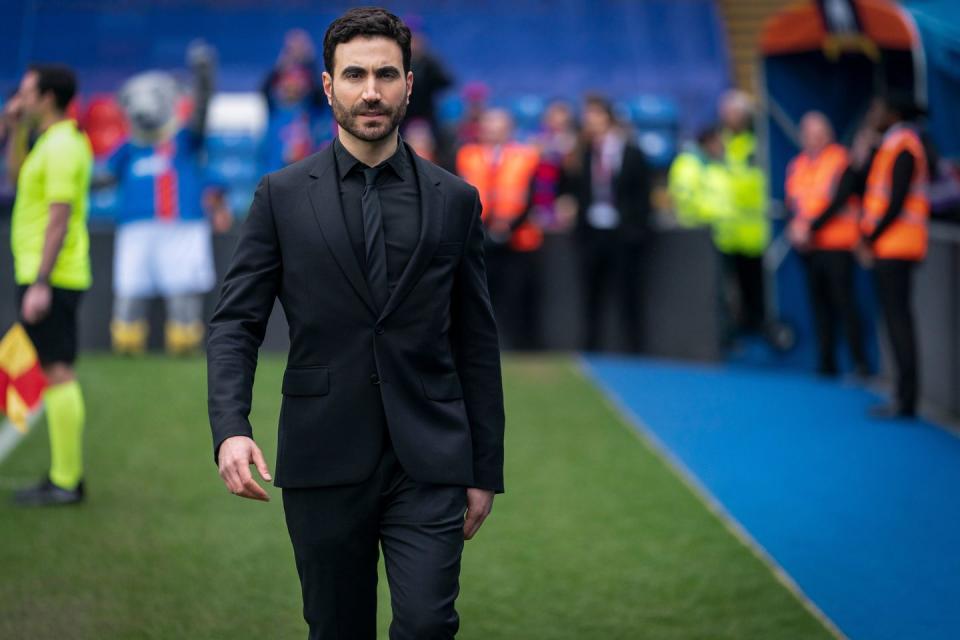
(42, 279)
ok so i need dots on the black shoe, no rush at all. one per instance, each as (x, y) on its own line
(891, 412)
(861, 376)
(48, 494)
(827, 372)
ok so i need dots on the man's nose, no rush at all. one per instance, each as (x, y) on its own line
(371, 92)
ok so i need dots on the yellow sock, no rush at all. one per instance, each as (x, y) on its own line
(65, 417)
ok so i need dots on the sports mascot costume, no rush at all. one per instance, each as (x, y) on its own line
(163, 242)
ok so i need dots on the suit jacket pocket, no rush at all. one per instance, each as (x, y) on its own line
(443, 386)
(306, 381)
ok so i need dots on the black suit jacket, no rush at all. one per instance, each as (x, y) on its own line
(427, 367)
(631, 192)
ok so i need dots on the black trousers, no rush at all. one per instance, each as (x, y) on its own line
(833, 299)
(335, 533)
(515, 284)
(609, 265)
(748, 272)
(894, 282)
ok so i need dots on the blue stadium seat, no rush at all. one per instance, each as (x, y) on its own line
(650, 110)
(548, 49)
(527, 111)
(659, 145)
(230, 145)
(234, 168)
(450, 109)
(622, 111)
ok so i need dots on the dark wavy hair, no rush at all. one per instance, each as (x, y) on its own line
(366, 22)
(57, 79)
(601, 102)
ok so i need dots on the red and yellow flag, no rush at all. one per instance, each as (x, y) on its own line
(21, 379)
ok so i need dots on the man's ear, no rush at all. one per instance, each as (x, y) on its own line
(409, 85)
(327, 86)
(49, 101)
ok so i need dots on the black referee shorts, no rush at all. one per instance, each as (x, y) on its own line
(55, 336)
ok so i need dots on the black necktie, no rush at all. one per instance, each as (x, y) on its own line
(373, 238)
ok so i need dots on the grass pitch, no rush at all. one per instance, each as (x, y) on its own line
(594, 539)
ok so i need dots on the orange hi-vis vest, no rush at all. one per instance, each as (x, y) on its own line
(503, 181)
(906, 237)
(811, 183)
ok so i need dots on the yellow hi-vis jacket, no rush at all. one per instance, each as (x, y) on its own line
(750, 234)
(702, 192)
(683, 184)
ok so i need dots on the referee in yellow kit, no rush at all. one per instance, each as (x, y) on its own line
(51, 260)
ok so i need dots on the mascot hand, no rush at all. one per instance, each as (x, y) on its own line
(201, 56)
(221, 220)
(215, 203)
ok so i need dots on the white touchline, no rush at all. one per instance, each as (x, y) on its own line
(646, 435)
(10, 436)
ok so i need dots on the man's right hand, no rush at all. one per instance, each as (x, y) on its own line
(237, 453)
(12, 110)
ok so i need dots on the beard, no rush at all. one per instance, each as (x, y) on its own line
(349, 118)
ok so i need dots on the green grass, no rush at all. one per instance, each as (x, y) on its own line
(595, 538)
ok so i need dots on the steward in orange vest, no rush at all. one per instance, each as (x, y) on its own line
(812, 181)
(502, 170)
(895, 222)
(825, 230)
(502, 174)
(896, 210)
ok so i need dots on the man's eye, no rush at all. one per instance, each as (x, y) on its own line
(352, 75)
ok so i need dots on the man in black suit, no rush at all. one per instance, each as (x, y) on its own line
(612, 189)
(391, 427)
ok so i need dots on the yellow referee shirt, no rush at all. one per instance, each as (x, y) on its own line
(57, 170)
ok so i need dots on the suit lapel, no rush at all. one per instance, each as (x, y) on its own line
(324, 194)
(431, 220)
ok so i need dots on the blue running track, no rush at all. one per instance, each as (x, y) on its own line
(863, 515)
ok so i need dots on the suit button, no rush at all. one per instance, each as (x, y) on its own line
(374, 379)
(379, 330)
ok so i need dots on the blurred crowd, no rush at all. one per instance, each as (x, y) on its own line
(581, 171)
(153, 151)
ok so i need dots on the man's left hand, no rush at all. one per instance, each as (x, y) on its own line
(799, 236)
(864, 255)
(36, 303)
(479, 504)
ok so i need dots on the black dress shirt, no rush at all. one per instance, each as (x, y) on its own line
(399, 203)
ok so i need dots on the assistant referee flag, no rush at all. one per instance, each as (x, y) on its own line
(21, 379)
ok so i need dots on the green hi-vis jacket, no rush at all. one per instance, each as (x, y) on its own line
(751, 233)
(704, 192)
